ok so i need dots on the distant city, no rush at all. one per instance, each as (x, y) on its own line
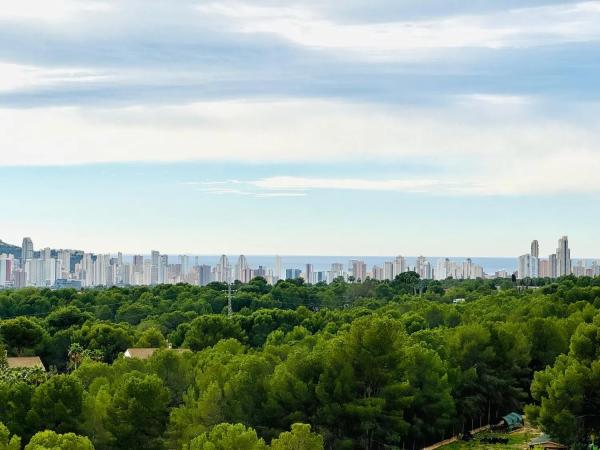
(59, 268)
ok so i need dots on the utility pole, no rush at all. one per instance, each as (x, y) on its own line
(229, 307)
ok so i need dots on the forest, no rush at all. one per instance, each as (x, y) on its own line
(350, 365)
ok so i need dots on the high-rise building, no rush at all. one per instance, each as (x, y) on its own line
(377, 273)
(6, 270)
(359, 270)
(222, 270)
(292, 274)
(595, 268)
(46, 253)
(241, 270)
(467, 269)
(204, 273)
(126, 275)
(388, 270)
(64, 259)
(535, 248)
(528, 266)
(20, 278)
(563, 257)
(552, 266)
(544, 268)
(423, 268)
(399, 265)
(155, 261)
(442, 270)
(309, 274)
(163, 269)
(184, 261)
(579, 269)
(277, 269)
(26, 250)
(336, 270)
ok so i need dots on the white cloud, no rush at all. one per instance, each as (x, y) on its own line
(232, 191)
(14, 77)
(479, 150)
(49, 10)
(413, 185)
(526, 27)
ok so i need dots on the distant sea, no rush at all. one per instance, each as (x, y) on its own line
(322, 263)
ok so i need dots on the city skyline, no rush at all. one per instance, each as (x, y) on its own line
(314, 128)
(46, 267)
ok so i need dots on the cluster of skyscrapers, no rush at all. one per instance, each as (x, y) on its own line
(74, 268)
(558, 264)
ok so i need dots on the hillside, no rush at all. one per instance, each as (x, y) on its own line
(9, 248)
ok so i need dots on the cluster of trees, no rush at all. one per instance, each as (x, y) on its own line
(367, 365)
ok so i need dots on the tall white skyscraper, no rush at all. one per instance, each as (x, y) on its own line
(223, 270)
(309, 274)
(184, 261)
(388, 270)
(155, 259)
(552, 266)
(399, 265)
(535, 248)
(442, 270)
(46, 253)
(563, 257)
(26, 250)
(163, 266)
(241, 270)
(359, 270)
(423, 267)
(64, 257)
(377, 273)
(277, 269)
(528, 266)
(6, 270)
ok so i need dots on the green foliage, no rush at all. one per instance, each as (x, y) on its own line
(137, 415)
(206, 331)
(151, 338)
(107, 338)
(567, 394)
(365, 365)
(49, 440)
(226, 436)
(3, 361)
(15, 398)
(57, 404)
(21, 334)
(300, 438)
(30, 375)
(8, 442)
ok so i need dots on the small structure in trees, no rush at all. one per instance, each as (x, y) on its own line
(145, 353)
(545, 442)
(509, 422)
(25, 362)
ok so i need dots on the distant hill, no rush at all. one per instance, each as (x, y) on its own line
(9, 248)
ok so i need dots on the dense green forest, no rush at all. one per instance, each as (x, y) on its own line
(372, 365)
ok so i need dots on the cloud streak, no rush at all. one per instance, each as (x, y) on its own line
(490, 147)
(524, 27)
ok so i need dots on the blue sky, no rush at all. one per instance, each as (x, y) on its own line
(307, 127)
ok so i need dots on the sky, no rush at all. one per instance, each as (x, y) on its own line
(362, 127)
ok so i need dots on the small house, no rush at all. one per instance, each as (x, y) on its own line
(145, 353)
(512, 421)
(546, 442)
(25, 362)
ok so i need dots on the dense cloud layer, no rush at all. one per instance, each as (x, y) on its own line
(478, 90)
